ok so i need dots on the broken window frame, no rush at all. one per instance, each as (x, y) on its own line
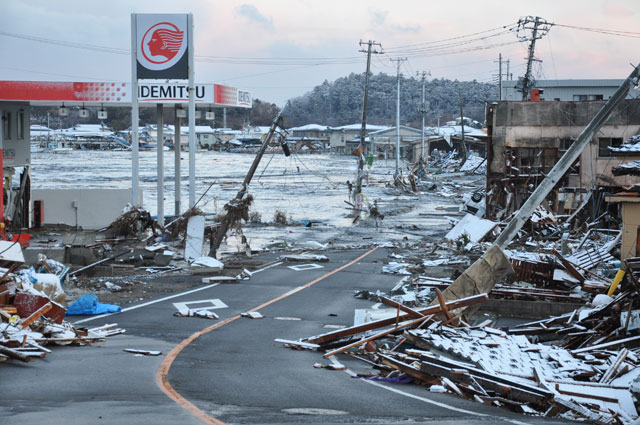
(603, 150)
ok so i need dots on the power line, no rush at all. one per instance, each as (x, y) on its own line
(631, 34)
(449, 39)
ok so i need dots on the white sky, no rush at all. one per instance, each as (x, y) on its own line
(299, 29)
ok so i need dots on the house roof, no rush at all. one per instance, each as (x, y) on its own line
(403, 127)
(632, 147)
(450, 130)
(631, 168)
(310, 127)
(370, 127)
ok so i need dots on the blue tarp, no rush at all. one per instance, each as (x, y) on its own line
(88, 304)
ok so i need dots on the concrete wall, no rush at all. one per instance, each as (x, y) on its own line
(545, 124)
(96, 208)
(565, 89)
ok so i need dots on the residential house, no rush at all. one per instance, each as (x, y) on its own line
(383, 142)
(448, 138)
(339, 136)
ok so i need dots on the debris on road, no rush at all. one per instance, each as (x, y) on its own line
(252, 315)
(142, 352)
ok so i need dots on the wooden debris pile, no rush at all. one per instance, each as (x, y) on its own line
(32, 311)
(132, 222)
(580, 365)
(24, 338)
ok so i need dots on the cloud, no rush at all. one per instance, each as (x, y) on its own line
(609, 8)
(253, 14)
(378, 17)
(407, 28)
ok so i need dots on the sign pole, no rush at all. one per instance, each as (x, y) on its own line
(160, 159)
(192, 117)
(134, 114)
(177, 148)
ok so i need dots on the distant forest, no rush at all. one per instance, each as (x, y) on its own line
(333, 104)
(340, 102)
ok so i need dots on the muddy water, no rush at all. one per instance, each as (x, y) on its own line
(304, 187)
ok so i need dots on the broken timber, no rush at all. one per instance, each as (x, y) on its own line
(342, 333)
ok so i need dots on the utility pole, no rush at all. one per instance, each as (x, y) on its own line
(423, 109)
(231, 207)
(398, 61)
(508, 63)
(539, 28)
(500, 76)
(370, 50)
(464, 145)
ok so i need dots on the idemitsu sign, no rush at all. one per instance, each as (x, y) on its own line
(162, 46)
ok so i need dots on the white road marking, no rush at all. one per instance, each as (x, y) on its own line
(426, 400)
(211, 304)
(88, 319)
(267, 267)
(304, 267)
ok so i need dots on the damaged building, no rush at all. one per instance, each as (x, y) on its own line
(526, 139)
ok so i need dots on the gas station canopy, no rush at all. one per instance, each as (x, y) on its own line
(52, 93)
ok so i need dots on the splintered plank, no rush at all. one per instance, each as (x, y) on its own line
(569, 266)
(373, 337)
(36, 315)
(392, 303)
(300, 344)
(14, 354)
(626, 341)
(443, 305)
(354, 330)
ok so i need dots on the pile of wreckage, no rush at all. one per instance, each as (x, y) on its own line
(32, 308)
(577, 365)
(32, 299)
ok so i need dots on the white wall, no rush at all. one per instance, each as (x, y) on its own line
(96, 208)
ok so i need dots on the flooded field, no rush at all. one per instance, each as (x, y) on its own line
(304, 187)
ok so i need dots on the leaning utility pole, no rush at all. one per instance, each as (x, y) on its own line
(539, 28)
(228, 219)
(399, 61)
(370, 50)
(423, 110)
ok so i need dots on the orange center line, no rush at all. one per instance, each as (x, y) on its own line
(162, 379)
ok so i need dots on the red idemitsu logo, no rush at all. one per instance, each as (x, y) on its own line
(162, 44)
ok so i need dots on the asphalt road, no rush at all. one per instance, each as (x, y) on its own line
(230, 370)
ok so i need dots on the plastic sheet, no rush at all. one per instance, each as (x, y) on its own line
(89, 305)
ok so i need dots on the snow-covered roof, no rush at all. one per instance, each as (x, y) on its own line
(631, 168)
(631, 147)
(310, 127)
(451, 130)
(88, 128)
(37, 127)
(370, 127)
(377, 132)
(264, 129)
